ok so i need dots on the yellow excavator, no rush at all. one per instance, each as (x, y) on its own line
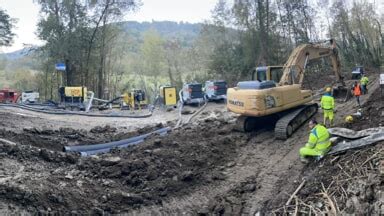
(275, 95)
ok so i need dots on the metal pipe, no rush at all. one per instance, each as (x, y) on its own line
(84, 148)
(61, 112)
(101, 100)
(181, 105)
(105, 150)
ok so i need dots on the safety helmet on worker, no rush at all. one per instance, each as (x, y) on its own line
(349, 119)
(328, 89)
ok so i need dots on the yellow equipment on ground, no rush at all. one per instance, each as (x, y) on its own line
(349, 119)
(168, 95)
(73, 97)
(136, 99)
(283, 103)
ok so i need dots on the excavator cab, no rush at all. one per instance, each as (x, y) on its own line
(264, 73)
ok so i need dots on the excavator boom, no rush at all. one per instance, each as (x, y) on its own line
(294, 68)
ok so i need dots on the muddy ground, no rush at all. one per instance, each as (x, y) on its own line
(203, 168)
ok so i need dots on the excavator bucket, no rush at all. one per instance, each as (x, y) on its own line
(342, 93)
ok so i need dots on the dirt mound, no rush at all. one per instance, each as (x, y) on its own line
(53, 139)
(170, 165)
(56, 139)
(232, 202)
(146, 174)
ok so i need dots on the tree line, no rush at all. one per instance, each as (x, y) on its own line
(88, 37)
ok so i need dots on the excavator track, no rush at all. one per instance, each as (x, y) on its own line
(290, 122)
(249, 123)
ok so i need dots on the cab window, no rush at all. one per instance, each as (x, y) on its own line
(261, 75)
(276, 74)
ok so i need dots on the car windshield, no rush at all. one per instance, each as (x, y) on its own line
(357, 69)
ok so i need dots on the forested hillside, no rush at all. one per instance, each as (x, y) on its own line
(110, 56)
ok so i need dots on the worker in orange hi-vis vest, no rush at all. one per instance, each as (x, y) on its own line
(356, 90)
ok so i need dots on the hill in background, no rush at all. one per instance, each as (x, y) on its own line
(166, 29)
(183, 31)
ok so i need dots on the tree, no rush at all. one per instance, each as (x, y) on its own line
(6, 26)
(104, 12)
(79, 33)
(359, 33)
(64, 28)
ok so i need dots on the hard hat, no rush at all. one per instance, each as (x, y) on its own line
(328, 89)
(349, 119)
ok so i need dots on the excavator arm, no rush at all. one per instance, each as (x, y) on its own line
(294, 68)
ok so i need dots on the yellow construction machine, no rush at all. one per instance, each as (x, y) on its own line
(275, 95)
(136, 99)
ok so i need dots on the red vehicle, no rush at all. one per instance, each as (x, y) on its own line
(8, 95)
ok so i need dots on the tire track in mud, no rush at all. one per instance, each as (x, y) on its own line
(240, 168)
(283, 166)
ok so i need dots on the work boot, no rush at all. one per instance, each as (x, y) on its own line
(304, 160)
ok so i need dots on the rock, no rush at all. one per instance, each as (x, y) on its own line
(56, 198)
(69, 176)
(203, 211)
(249, 188)
(45, 154)
(219, 176)
(110, 161)
(157, 142)
(97, 211)
(187, 111)
(132, 198)
(381, 168)
(156, 151)
(106, 182)
(105, 129)
(187, 176)
(319, 205)
(79, 183)
(231, 164)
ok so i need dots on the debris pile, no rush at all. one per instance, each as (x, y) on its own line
(344, 184)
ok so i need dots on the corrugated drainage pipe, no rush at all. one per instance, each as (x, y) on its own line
(85, 148)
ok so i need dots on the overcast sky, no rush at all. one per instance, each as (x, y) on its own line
(192, 11)
(27, 14)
